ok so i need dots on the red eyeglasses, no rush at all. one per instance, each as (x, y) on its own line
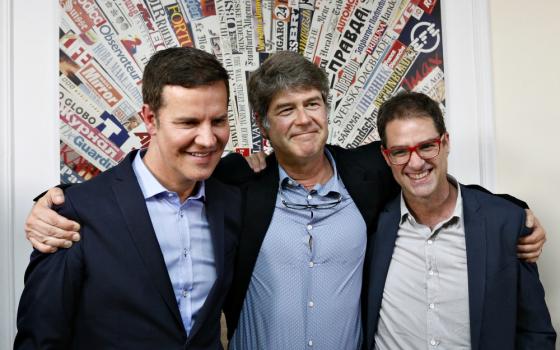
(426, 150)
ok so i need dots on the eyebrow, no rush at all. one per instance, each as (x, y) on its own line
(416, 144)
(191, 118)
(288, 104)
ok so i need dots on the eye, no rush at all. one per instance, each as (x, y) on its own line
(427, 146)
(313, 105)
(219, 121)
(285, 112)
(188, 123)
(399, 152)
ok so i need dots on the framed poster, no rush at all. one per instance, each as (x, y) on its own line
(370, 50)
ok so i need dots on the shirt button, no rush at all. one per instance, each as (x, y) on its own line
(309, 227)
(432, 306)
(311, 264)
(185, 293)
(431, 272)
(430, 241)
(309, 196)
(310, 343)
(433, 342)
(311, 304)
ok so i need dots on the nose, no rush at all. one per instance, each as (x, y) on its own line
(206, 137)
(415, 161)
(301, 116)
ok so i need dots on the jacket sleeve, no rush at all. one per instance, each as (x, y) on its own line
(505, 196)
(234, 170)
(48, 303)
(534, 326)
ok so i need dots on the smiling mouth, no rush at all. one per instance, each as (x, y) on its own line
(307, 133)
(419, 176)
(199, 154)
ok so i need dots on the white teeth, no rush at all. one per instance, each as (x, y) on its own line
(197, 154)
(419, 176)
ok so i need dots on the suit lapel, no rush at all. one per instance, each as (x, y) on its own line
(130, 200)
(215, 215)
(380, 253)
(364, 191)
(475, 238)
(260, 203)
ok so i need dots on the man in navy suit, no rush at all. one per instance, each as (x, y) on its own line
(441, 270)
(160, 235)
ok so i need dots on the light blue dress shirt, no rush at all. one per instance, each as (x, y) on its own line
(183, 234)
(305, 289)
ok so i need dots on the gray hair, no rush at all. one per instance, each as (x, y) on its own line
(283, 70)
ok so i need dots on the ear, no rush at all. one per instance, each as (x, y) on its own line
(385, 156)
(446, 142)
(258, 119)
(149, 118)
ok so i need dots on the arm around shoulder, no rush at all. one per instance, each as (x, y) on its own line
(47, 305)
(534, 327)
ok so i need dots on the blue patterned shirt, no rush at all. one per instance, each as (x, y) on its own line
(183, 235)
(305, 289)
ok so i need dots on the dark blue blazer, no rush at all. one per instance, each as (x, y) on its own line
(506, 299)
(111, 290)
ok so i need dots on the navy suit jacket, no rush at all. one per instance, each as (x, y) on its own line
(111, 290)
(506, 299)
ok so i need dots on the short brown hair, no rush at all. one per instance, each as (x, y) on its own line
(182, 66)
(405, 105)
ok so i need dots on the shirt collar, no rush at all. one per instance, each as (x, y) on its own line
(457, 212)
(151, 187)
(332, 185)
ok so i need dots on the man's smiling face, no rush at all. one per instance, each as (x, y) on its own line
(189, 133)
(419, 178)
(298, 127)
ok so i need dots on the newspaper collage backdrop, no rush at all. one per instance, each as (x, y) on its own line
(370, 50)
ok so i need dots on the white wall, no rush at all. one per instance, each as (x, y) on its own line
(7, 293)
(29, 134)
(526, 69)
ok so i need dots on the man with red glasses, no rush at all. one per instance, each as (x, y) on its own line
(441, 270)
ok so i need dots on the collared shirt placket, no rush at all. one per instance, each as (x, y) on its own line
(310, 272)
(432, 288)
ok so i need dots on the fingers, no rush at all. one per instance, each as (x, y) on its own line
(54, 196)
(43, 248)
(45, 232)
(257, 161)
(537, 236)
(529, 257)
(530, 247)
(530, 218)
(49, 244)
(47, 221)
(45, 229)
